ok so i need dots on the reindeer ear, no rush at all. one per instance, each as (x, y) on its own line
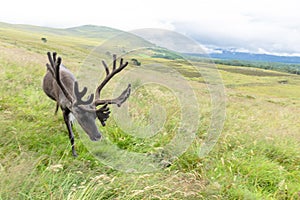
(103, 114)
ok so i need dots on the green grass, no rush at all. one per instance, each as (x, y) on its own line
(256, 157)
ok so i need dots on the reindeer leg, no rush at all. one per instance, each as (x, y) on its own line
(56, 109)
(69, 127)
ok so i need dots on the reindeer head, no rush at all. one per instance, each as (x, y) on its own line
(85, 111)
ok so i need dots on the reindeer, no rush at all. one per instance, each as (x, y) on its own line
(60, 85)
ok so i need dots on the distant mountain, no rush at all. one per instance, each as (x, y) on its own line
(92, 38)
(93, 31)
(229, 55)
(88, 31)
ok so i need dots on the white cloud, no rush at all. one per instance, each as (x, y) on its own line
(251, 25)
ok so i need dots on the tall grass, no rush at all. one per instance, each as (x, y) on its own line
(256, 157)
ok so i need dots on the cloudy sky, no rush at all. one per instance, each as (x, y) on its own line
(260, 26)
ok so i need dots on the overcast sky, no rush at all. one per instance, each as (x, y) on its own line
(262, 26)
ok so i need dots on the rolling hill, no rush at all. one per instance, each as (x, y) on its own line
(88, 31)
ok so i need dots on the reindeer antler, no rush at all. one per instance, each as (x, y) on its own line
(109, 75)
(54, 69)
(125, 94)
(103, 112)
(80, 94)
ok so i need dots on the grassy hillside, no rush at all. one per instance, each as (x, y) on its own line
(256, 157)
(88, 31)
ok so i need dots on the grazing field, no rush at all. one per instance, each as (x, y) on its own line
(256, 157)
